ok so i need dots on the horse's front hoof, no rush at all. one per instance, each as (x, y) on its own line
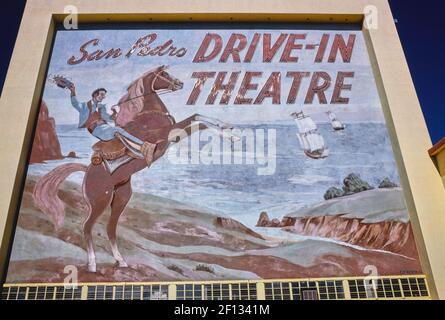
(122, 264)
(92, 267)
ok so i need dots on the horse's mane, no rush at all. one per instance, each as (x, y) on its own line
(132, 102)
(135, 82)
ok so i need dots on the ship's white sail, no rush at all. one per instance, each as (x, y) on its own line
(305, 124)
(310, 140)
(316, 142)
(336, 124)
(309, 124)
(303, 141)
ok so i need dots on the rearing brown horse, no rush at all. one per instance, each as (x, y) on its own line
(150, 122)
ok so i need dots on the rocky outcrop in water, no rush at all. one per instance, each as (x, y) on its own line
(386, 184)
(72, 154)
(46, 144)
(264, 221)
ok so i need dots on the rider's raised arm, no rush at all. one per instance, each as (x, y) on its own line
(75, 103)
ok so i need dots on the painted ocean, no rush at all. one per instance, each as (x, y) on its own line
(236, 190)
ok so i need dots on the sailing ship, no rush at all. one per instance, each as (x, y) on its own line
(310, 140)
(336, 124)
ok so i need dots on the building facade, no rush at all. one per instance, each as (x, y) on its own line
(216, 152)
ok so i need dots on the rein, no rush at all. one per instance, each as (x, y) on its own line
(158, 75)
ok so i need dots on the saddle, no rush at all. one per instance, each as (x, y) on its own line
(109, 150)
(120, 146)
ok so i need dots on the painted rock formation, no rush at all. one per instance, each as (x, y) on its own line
(394, 236)
(374, 219)
(46, 143)
(264, 221)
(231, 224)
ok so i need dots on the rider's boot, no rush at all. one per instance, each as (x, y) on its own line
(148, 150)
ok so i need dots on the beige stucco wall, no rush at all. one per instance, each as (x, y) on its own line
(422, 183)
(440, 161)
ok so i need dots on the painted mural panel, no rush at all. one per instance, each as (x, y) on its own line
(203, 152)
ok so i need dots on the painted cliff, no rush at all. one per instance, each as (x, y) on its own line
(376, 219)
(46, 144)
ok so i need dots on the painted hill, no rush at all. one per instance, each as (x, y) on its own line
(166, 240)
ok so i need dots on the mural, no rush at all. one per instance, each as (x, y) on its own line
(204, 152)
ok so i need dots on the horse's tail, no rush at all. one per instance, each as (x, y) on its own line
(45, 192)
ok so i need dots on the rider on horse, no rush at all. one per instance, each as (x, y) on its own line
(94, 117)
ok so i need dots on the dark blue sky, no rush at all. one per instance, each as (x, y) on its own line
(420, 30)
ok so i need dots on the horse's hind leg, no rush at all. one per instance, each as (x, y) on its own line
(191, 125)
(122, 195)
(98, 194)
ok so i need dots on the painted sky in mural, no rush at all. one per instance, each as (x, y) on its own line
(362, 105)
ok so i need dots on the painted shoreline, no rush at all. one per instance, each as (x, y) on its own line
(165, 240)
